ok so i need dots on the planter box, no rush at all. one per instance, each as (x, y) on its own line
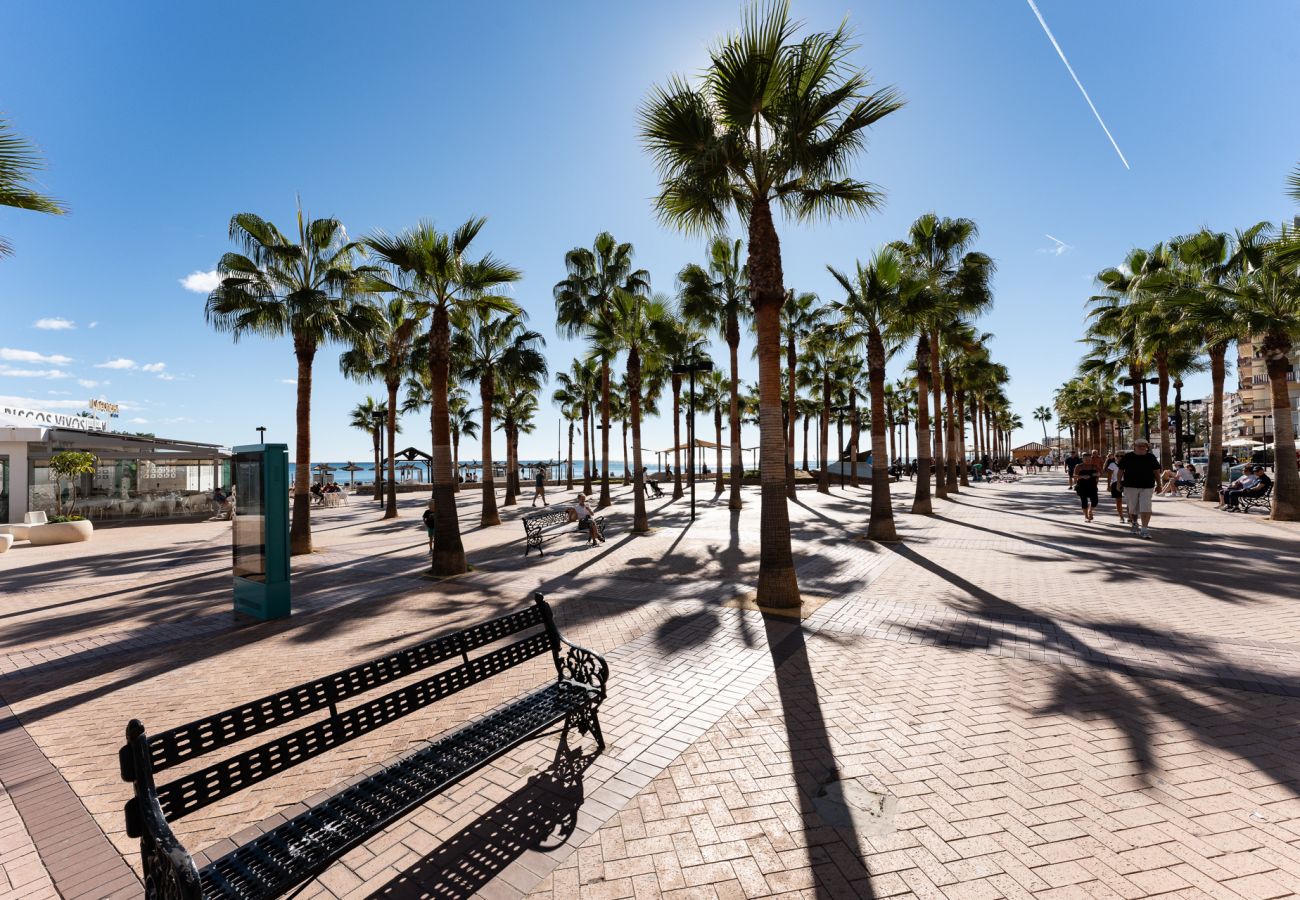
(60, 533)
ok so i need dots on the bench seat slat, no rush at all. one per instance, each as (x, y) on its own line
(305, 844)
(168, 748)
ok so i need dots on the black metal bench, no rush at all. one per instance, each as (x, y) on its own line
(536, 524)
(1247, 502)
(1191, 489)
(304, 846)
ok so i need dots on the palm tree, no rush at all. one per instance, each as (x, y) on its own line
(584, 299)
(801, 315)
(643, 327)
(944, 282)
(492, 344)
(1043, 414)
(443, 280)
(570, 404)
(772, 121)
(821, 371)
(872, 297)
(460, 417)
(384, 354)
(1206, 261)
(308, 289)
(1268, 301)
(363, 417)
(715, 392)
(19, 160)
(717, 298)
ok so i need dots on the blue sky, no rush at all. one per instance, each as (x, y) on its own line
(161, 120)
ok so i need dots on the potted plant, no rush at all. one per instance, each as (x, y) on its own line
(67, 465)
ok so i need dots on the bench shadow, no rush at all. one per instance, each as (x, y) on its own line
(540, 816)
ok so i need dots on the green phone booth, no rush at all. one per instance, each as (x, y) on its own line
(261, 530)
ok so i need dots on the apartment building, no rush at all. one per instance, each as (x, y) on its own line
(1256, 403)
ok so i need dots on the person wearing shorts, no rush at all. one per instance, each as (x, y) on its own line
(1112, 479)
(1138, 471)
(1086, 476)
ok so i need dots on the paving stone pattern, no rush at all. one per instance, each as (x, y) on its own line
(1042, 707)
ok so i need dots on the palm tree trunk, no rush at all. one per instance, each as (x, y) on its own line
(889, 423)
(627, 473)
(605, 499)
(486, 394)
(587, 443)
(640, 521)
(390, 511)
(1136, 375)
(791, 365)
(950, 424)
(936, 388)
(881, 525)
(962, 467)
(379, 475)
(854, 428)
(805, 443)
(1286, 488)
(448, 551)
(921, 504)
(824, 444)
(455, 461)
(569, 481)
(1162, 371)
(737, 462)
(778, 586)
(300, 526)
(677, 437)
(508, 433)
(719, 484)
(907, 441)
(1214, 476)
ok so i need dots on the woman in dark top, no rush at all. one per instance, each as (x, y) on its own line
(1086, 476)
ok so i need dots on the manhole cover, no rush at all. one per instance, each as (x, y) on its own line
(851, 804)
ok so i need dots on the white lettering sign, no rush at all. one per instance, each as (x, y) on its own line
(51, 420)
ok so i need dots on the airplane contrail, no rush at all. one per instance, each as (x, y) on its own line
(1061, 53)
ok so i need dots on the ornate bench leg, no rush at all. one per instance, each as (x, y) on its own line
(595, 729)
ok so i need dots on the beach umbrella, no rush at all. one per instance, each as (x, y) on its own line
(350, 468)
(322, 469)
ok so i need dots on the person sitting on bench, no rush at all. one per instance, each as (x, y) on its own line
(1258, 488)
(1247, 481)
(587, 520)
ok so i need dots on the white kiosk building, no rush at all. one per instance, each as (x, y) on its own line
(135, 477)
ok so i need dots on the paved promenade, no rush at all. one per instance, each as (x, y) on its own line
(1009, 702)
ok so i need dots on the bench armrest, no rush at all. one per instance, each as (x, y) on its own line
(169, 869)
(578, 664)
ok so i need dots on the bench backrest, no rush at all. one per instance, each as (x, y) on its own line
(544, 520)
(144, 755)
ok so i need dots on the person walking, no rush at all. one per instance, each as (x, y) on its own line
(539, 486)
(1113, 487)
(1138, 471)
(1087, 475)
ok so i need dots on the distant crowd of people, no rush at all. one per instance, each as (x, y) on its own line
(1134, 478)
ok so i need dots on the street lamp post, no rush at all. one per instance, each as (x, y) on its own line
(695, 365)
(1146, 425)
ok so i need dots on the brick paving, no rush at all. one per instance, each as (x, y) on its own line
(1019, 704)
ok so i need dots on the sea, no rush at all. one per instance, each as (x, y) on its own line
(365, 473)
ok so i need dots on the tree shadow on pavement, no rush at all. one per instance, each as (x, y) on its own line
(1249, 713)
(833, 853)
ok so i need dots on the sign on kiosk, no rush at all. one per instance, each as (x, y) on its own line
(261, 530)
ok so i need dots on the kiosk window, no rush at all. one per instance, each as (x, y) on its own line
(250, 518)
